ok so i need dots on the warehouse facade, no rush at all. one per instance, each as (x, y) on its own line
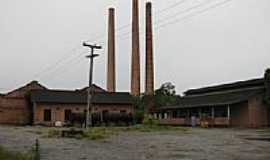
(38, 105)
(51, 106)
(239, 104)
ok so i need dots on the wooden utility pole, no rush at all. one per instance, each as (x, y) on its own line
(90, 90)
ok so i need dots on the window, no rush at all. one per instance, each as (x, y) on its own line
(194, 112)
(123, 111)
(105, 112)
(206, 112)
(221, 112)
(68, 115)
(47, 115)
(182, 114)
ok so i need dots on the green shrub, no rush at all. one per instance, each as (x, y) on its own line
(54, 133)
(99, 132)
(150, 120)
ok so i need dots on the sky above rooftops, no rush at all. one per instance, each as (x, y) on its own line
(197, 43)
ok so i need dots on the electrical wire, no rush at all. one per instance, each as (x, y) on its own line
(171, 20)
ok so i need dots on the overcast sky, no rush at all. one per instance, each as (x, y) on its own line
(197, 42)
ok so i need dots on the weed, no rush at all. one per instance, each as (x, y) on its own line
(54, 133)
(8, 155)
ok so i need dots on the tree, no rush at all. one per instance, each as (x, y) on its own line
(267, 86)
(165, 95)
(167, 89)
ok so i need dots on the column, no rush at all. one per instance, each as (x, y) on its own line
(229, 114)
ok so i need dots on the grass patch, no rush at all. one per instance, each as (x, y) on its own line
(158, 128)
(99, 133)
(54, 133)
(96, 133)
(8, 155)
(104, 132)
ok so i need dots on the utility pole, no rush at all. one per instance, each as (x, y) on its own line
(90, 91)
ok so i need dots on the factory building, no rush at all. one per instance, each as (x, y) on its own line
(241, 104)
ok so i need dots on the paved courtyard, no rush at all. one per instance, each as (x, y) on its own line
(196, 144)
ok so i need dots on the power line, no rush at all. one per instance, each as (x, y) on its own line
(177, 20)
(193, 14)
(174, 5)
(171, 6)
(185, 11)
(67, 56)
(57, 63)
(59, 71)
(127, 34)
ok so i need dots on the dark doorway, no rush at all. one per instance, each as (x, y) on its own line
(123, 111)
(47, 115)
(68, 115)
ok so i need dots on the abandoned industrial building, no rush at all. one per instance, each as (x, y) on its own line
(236, 104)
(35, 104)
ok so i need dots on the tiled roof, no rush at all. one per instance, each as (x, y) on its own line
(230, 86)
(74, 97)
(219, 99)
(94, 87)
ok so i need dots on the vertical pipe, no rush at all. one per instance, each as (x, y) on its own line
(149, 80)
(111, 51)
(135, 66)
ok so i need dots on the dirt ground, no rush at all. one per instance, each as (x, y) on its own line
(196, 144)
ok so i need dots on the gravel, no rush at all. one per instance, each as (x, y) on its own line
(196, 144)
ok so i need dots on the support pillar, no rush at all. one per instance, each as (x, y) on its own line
(213, 112)
(229, 114)
(165, 115)
(213, 116)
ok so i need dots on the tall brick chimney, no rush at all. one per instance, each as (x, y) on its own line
(135, 61)
(149, 64)
(111, 52)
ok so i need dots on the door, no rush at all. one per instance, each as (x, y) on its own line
(68, 114)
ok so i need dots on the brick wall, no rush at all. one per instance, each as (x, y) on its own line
(58, 111)
(258, 116)
(15, 107)
(14, 111)
(240, 115)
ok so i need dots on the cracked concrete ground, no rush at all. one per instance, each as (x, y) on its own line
(197, 144)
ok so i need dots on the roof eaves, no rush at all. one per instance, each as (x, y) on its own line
(258, 81)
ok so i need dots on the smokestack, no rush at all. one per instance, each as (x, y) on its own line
(149, 80)
(111, 52)
(135, 62)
